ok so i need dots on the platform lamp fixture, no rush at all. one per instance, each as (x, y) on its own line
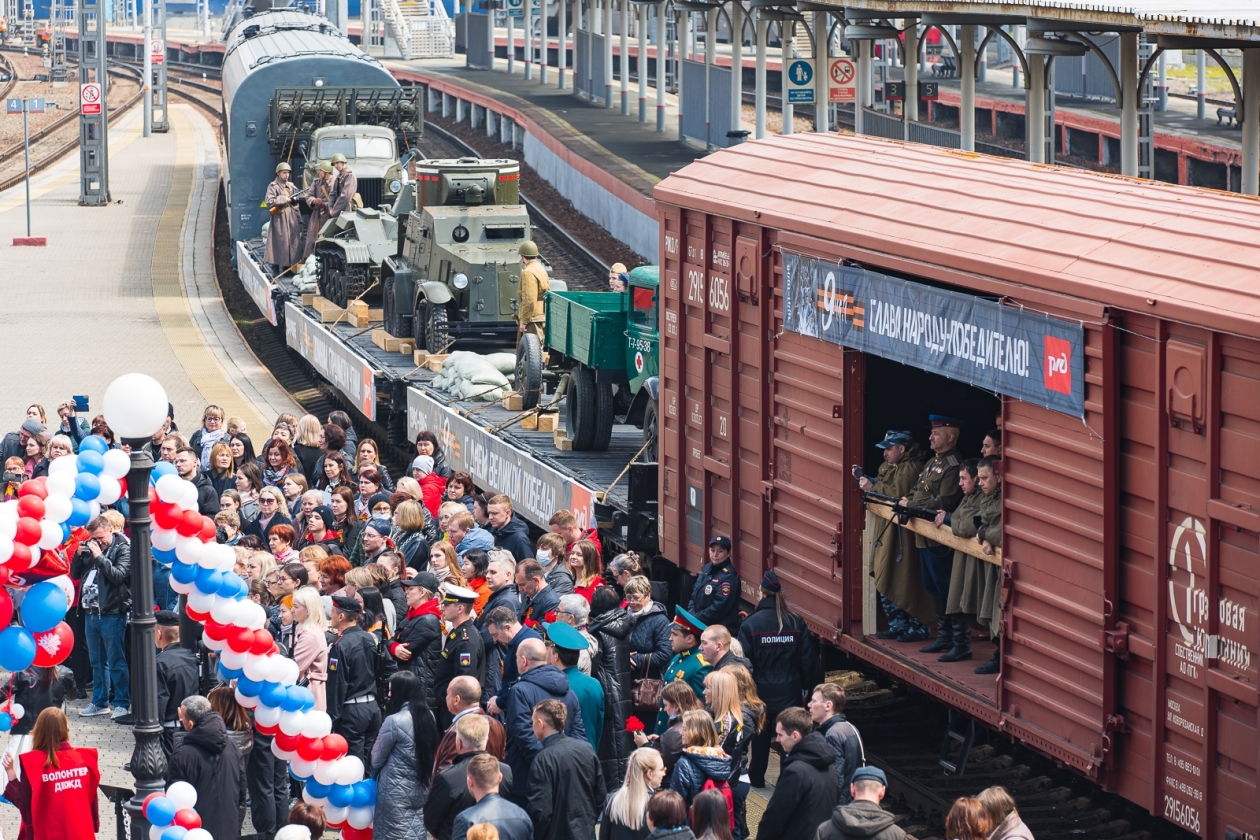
(135, 405)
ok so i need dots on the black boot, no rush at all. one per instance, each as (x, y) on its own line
(944, 636)
(962, 640)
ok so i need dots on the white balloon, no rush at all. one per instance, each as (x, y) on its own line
(326, 771)
(189, 497)
(359, 818)
(182, 794)
(279, 671)
(283, 755)
(247, 702)
(302, 768)
(255, 615)
(155, 831)
(165, 538)
(188, 550)
(318, 725)
(66, 585)
(135, 406)
(117, 465)
(212, 644)
(51, 536)
(310, 799)
(60, 483)
(290, 675)
(334, 815)
(198, 834)
(232, 659)
(200, 601)
(268, 715)
(57, 507)
(291, 723)
(8, 528)
(349, 770)
(227, 557)
(6, 548)
(94, 509)
(111, 490)
(65, 465)
(169, 488)
(17, 710)
(257, 667)
(207, 556)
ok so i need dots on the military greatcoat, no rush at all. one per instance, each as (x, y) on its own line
(284, 236)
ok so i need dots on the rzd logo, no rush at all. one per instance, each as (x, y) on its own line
(1058, 370)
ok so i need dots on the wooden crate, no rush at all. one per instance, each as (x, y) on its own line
(549, 422)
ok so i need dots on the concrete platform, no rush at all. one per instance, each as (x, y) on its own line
(127, 287)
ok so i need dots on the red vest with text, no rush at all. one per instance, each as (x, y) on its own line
(62, 798)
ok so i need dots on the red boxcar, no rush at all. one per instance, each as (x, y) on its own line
(1131, 570)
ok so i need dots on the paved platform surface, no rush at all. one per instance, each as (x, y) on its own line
(127, 287)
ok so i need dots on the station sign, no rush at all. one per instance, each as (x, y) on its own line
(516, 8)
(89, 99)
(157, 51)
(929, 90)
(800, 78)
(894, 91)
(842, 80)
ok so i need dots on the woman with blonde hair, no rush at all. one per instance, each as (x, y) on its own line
(1007, 824)
(59, 445)
(736, 724)
(293, 487)
(702, 757)
(306, 444)
(47, 808)
(444, 564)
(210, 433)
(625, 814)
(310, 647)
(222, 472)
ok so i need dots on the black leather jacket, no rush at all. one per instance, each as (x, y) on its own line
(113, 575)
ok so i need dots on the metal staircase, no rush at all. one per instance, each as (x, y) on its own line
(421, 28)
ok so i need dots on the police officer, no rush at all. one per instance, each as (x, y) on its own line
(351, 685)
(346, 186)
(715, 595)
(688, 664)
(938, 489)
(534, 283)
(463, 652)
(176, 678)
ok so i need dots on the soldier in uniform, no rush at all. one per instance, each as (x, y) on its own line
(351, 684)
(989, 535)
(715, 595)
(688, 664)
(893, 559)
(345, 187)
(530, 314)
(319, 201)
(463, 651)
(937, 489)
(965, 581)
(176, 678)
(284, 231)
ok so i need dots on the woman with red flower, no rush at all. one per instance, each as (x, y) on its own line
(584, 564)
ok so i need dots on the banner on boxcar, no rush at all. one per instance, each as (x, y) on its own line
(1031, 357)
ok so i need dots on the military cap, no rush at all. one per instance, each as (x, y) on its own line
(339, 158)
(325, 166)
(459, 595)
(869, 774)
(941, 420)
(347, 605)
(565, 636)
(167, 618)
(283, 167)
(895, 438)
(426, 579)
(724, 542)
(687, 622)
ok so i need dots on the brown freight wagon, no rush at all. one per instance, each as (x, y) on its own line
(1131, 567)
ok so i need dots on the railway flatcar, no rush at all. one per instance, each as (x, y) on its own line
(820, 290)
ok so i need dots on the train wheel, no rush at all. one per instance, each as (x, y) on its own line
(437, 336)
(580, 407)
(529, 370)
(649, 431)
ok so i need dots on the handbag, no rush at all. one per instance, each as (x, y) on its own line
(645, 693)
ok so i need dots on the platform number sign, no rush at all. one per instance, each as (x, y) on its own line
(157, 51)
(801, 82)
(516, 8)
(841, 82)
(89, 98)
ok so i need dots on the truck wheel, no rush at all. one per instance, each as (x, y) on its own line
(649, 431)
(529, 370)
(436, 334)
(605, 416)
(580, 407)
(397, 321)
(420, 324)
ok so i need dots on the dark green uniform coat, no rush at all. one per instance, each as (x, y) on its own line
(689, 666)
(966, 582)
(899, 582)
(991, 592)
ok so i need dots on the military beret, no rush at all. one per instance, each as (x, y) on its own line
(869, 774)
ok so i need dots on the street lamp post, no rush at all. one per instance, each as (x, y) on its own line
(134, 406)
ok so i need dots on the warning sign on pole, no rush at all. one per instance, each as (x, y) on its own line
(157, 51)
(841, 84)
(800, 79)
(89, 98)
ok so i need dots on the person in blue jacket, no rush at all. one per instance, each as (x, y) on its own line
(715, 596)
(539, 681)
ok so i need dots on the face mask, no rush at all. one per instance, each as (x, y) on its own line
(543, 555)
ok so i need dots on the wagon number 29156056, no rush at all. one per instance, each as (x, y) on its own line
(1182, 814)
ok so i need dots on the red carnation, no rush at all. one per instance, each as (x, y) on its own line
(550, 617)
(633, 724)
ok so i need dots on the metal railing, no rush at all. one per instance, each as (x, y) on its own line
(917, 132)
(879, 124)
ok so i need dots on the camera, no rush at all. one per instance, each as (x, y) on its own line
(14, 477)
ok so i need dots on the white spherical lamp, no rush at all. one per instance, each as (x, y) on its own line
(135, 405)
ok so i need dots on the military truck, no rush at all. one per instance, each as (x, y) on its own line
(607, 343)
(455, 275)
(371, 153)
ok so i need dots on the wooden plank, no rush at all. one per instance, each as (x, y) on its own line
(434, 362)
(548, 422)
(561, 441)
(944, 536)
(385, 341)
(309, 300)
(515, 402)
(529, 422)
(376, 314)
(357, 314)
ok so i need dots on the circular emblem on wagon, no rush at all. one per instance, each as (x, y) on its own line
(638, 362)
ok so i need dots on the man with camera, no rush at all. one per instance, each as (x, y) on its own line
(103, 566)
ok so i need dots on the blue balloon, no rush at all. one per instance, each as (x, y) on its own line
(160, 469)
(174, 832)
(160, 811)
(273, 695)
(248, 687)
(364, 793)
(6, 721)
(91, 461)
(43, 607)
(232, 587)
(292, 699)
(308, 699)
(166, 558)
(209, 580)
(341, 795)
(317, 789)
(95, 443)
(86, 486)
(65, 531)
(80, 513)
(183, 572)
(17, 648)
(230, 673)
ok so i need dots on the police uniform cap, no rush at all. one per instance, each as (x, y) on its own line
(283, 167)
(426, 579)
(347, 605)
(459, 595)
(941, 420)
(869, 774)
(895, 438)
(687, 622)
(565, 636)
(724, 542)
(339, 158)
(167, 618)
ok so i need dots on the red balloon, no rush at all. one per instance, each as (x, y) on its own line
(149, 799)
(310, 749)
(187, 818)
(352, 833)
(122, 482)
(28, 532)
(338, 826)
(6, 604)
(21, 559)
(35, 487)
(335, 746)
(288, 743)
(216, 631)
(197, 616)
(189, 524)
(31, 505)
(262, 645)
(266, 730)
(240, 639)
(166, 517)
(209, 531)
(52, 648)
(4, 579)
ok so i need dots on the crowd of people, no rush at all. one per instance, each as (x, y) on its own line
(493, 684)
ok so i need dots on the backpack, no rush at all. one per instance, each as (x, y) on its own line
(725, 789)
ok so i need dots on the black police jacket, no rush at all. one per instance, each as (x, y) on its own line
(783, 659)
(351, 668)
(177, 679)
(715, 596)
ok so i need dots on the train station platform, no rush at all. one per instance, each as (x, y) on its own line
(128, 287)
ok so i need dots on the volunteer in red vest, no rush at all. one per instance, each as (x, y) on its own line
(56, 795)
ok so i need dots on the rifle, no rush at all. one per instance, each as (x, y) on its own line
(902, 513)
(276, 209)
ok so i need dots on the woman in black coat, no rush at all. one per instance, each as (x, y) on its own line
(610, 625)
(650, 650)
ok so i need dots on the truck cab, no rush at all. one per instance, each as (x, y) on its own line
(371, 153)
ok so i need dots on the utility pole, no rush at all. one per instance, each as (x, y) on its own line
(24, 107)
(94, 106)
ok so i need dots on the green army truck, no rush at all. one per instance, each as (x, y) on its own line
(607, 343)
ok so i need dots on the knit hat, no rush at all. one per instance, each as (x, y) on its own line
(326, 514)
(379, 499)
(32, 426)
(424, 463)
(770, 582)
